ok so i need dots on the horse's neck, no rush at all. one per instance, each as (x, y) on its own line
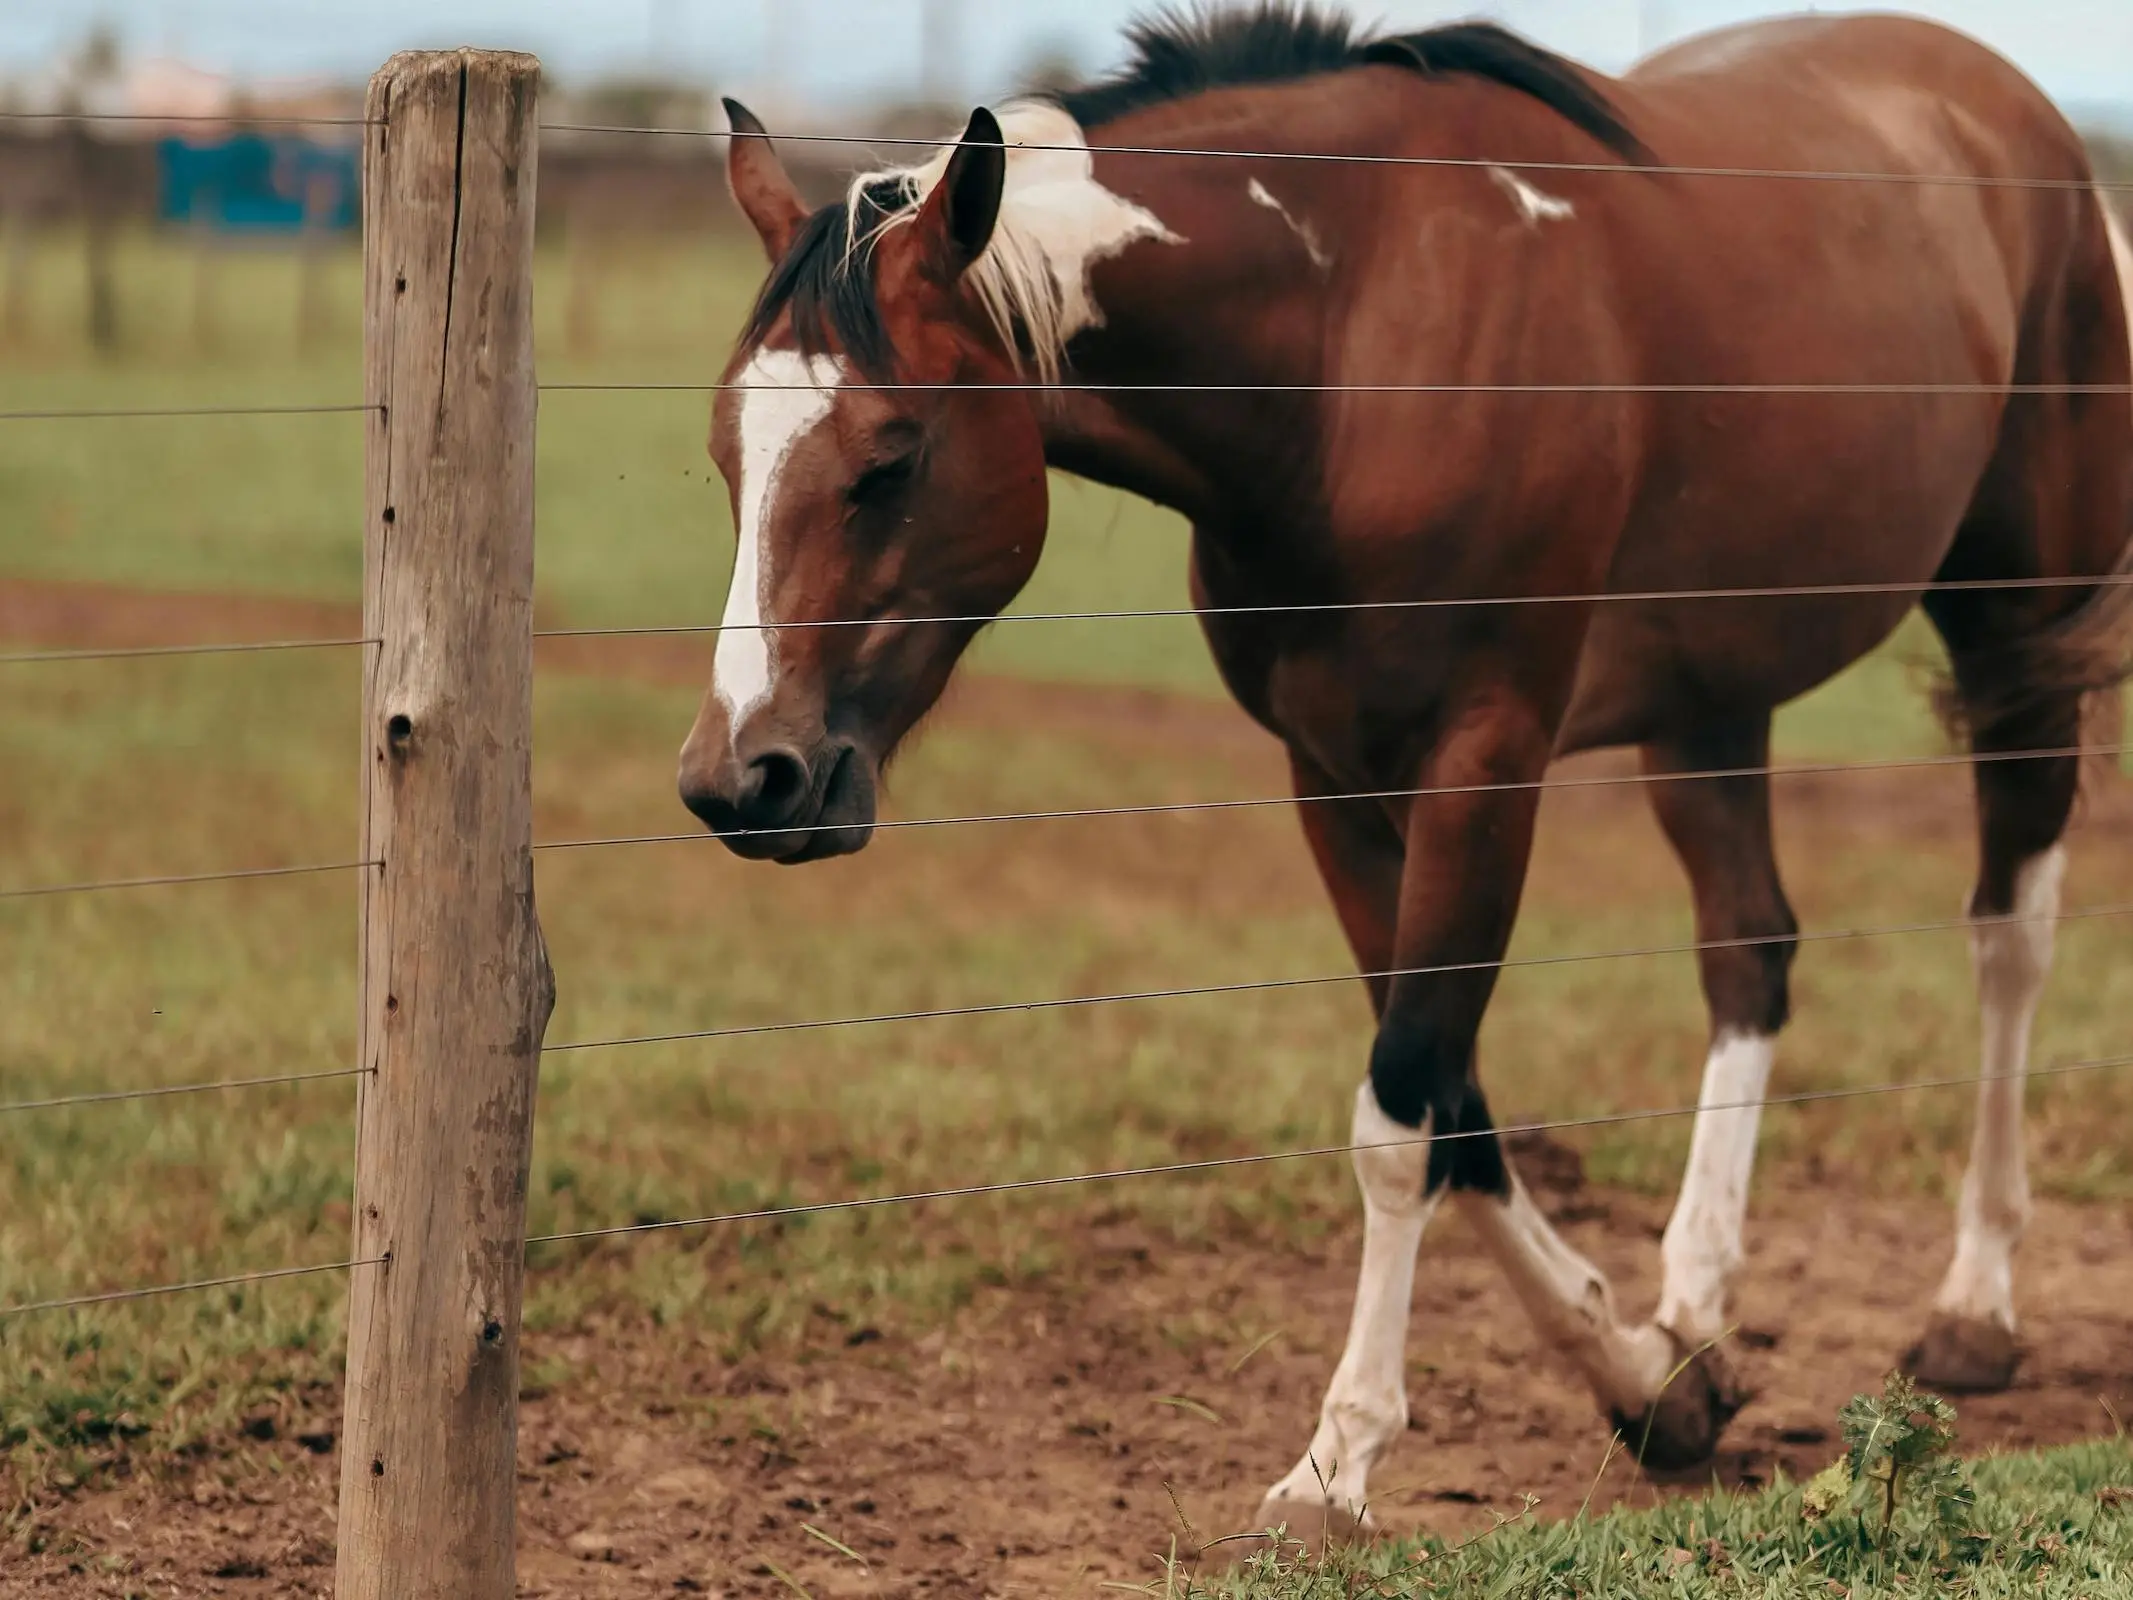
(1237, 293)
(1138, 411)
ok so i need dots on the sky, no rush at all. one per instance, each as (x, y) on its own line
(828, 51)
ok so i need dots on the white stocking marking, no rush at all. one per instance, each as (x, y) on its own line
(1703, 1241)
(1366, 1404)
(1571, 1303)
(2012, 956)
(783, 397)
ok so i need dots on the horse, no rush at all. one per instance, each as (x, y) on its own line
(1463, 361)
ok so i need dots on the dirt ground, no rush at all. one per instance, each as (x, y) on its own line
(1051, 1440)
(1060, 1436)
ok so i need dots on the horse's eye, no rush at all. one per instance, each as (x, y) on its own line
(884, 481)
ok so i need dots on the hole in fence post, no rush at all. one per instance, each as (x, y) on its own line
(399, 732)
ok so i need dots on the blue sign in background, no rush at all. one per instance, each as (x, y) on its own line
(256, 183)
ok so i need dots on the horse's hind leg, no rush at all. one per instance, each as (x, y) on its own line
(2023, 805)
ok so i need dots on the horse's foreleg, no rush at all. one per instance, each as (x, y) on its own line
(1466, 865)
(1359, 855)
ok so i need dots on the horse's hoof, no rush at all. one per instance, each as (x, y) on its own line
(1683, 1426)
(1963, 1355)
(1318, 1525)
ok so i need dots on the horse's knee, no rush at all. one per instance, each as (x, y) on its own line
(1748, 982)
(1422, 1075)
(1391, 1159)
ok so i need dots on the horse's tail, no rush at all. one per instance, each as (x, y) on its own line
(2114, 227)
(2085, 654)
(2104, 725)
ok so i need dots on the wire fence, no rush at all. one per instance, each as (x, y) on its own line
(1380, 796)
(82, 118)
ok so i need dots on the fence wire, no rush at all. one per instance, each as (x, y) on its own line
(1171, 808)
(151, 651)
(1265, 1158)
(174, 879)
(1959, 180)
(1656, 169)
(149, 413)
(167, 1091)
(111, 1296)
(1083, 386)
(1118, 1174)
(1322, 980)
(245, 118)
(1782, 591)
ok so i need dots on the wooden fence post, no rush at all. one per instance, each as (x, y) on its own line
(456, 988)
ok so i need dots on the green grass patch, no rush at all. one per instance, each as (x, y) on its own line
(2052, 1526)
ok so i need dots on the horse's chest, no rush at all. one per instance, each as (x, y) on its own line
(1305, 686)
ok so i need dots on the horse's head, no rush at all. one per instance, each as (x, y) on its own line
(857, 506)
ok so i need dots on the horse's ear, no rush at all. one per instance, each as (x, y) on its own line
(956, 222)
(761, 187)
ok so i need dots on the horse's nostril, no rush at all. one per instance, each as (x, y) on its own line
(775, 788)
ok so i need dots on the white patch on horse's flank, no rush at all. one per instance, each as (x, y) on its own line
(1534, 206)
(1366, 1404)
(783, 396)
(1702, 1248)
(1056, 223)
(1305, 233)
(2013, 955)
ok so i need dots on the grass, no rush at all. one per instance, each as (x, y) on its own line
(2054, 1526)
(171, 766)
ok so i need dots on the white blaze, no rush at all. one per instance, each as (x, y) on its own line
(783, 397)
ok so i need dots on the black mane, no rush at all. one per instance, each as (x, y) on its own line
(1178, 53)
(828, 284)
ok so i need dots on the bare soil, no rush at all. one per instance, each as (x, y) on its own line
(1057, 1437)
(1060, 1435)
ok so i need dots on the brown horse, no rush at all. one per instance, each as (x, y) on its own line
(1318, 358)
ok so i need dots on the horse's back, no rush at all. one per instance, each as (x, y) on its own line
(1814, 85)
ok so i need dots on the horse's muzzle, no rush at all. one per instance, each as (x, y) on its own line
(785, 806)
